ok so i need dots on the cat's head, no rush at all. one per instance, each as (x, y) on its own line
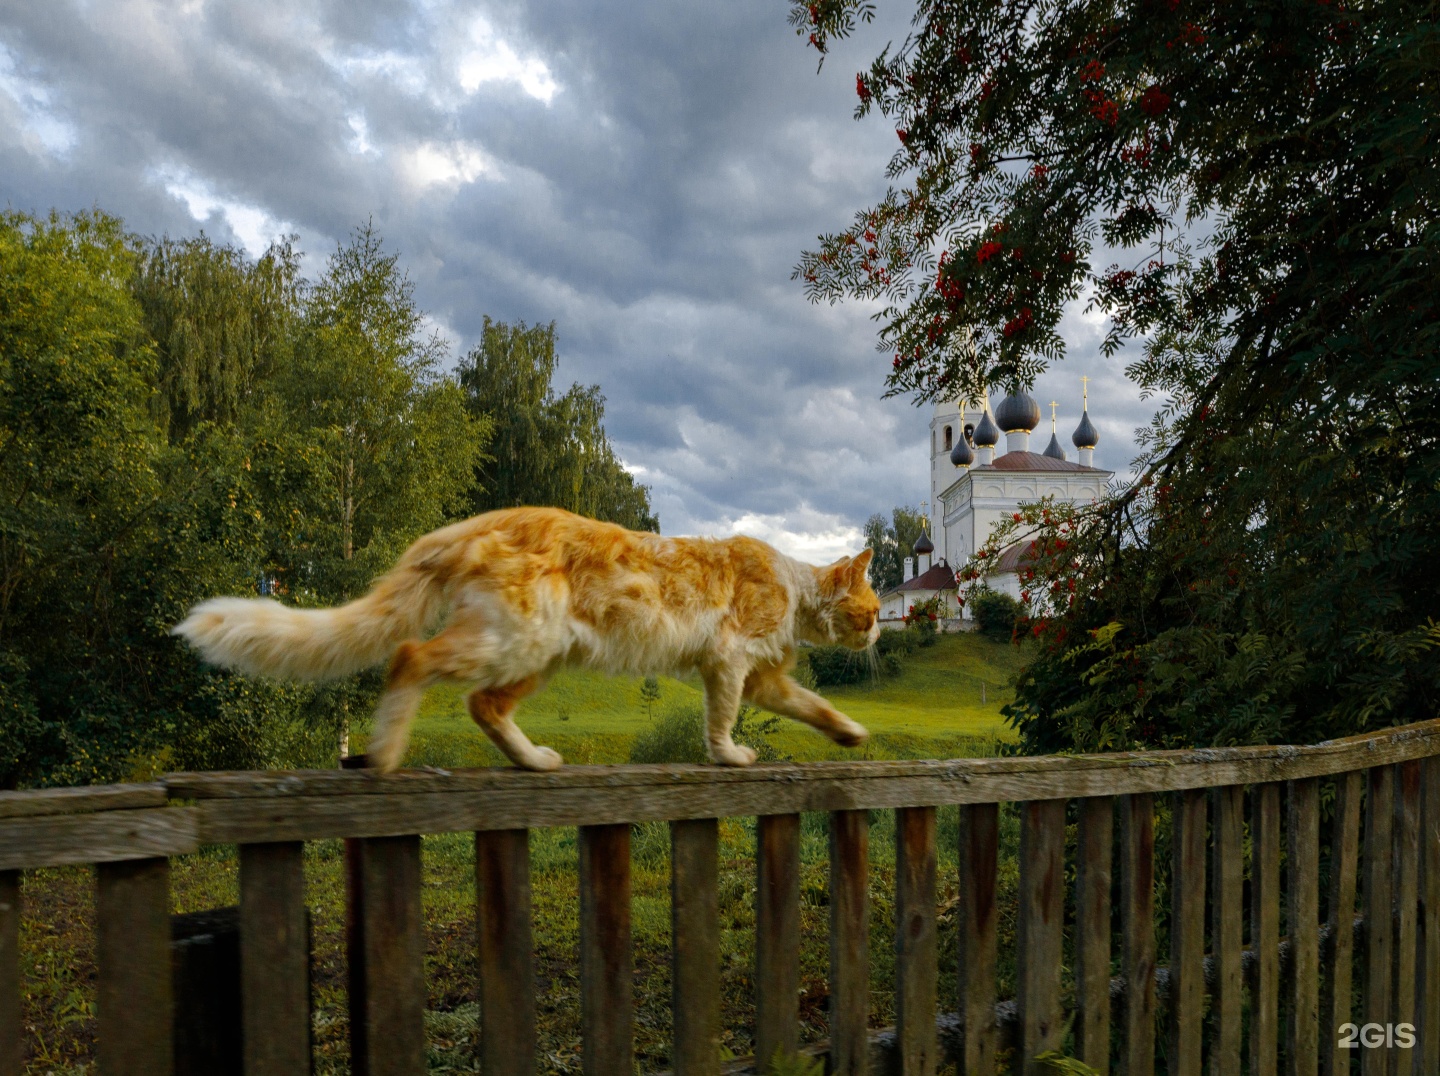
(849, 611)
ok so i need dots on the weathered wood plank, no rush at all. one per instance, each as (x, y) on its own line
(777, 936)
(607, 1021)
(1095, 842)
(1340, 917)
(11, 1039)
(695, 945)
(1041, 922)
(1171, 771)
(978, 928)
(389, 1026)
(274, 960)
(849, 942)
(295, 806)
(1428, 999)
(1265, 926)
(1379, 897)
(916, 940)
(505, 957)
(1187, 933)
(85, 800)
(1137, 927)
(97, 837)
(1407, 898)
(1227, 930)
(133, 997)
(1303, 919)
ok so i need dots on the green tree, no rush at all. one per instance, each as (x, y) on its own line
(893, 540)
(649, 694)
(1266, 172)
(301, 459)
(369, 444)
(221, 324)
(547, 449)
(107, 532)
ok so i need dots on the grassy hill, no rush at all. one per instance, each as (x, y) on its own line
(946, 702)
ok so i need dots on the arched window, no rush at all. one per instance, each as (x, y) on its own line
(948, 436)
(970, 432)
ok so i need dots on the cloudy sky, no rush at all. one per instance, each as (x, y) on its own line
(643, 173)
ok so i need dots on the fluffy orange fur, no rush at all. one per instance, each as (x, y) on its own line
(519, 592)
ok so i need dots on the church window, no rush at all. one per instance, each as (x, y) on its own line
(948, 436)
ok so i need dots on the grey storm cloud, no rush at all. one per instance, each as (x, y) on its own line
(645, 174)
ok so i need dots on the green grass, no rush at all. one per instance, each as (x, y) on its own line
(933, 709)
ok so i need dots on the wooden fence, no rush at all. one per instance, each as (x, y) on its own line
(1371, 955)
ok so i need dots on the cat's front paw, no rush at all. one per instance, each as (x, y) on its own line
(733, 754)
(849, 733)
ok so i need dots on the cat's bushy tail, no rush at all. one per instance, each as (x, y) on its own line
(261, 637)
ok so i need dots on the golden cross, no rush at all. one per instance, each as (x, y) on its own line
(1053, 405)
(1085, 388)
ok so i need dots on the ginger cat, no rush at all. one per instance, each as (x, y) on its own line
(519, 592)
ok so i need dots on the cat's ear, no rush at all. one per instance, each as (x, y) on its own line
(859, 563)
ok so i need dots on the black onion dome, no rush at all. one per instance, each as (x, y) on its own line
(1053, 449)
(924, 545)
(1085, 435)
(1017, 412)
(962, 455)
(987, 434)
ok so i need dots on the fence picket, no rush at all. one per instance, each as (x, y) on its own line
(274, 960)
(1340, 915)
(1227, 927)
(849, 942)
(695, 946)
(1303, 921)
(133, 998)
(389, 1026)
(11, 1042)
(978, 918)
(1042, 914)
(916, 956)
(607, 1006)
(1095, 840)
(777, 936)
(1407, 897)
(1187, 932)
(1379, 934)
(1137, 926)
(1427, 1055)
(505, 960)
(1265, 925)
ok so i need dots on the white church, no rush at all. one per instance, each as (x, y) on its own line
(972, 489)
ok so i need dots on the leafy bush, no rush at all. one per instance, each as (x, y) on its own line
(834, 665)
(679, 736)
(924, 618)
(995, 613)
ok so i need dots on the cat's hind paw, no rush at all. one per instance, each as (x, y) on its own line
(733, 754)
(543, 759)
